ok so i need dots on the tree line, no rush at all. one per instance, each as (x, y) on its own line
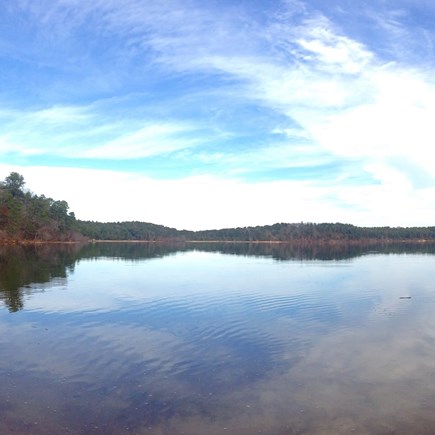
(26, 216)
(318, 232)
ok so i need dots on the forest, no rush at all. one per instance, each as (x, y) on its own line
(25, 216)
(280, 232)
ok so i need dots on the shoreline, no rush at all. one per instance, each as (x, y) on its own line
(253, 242)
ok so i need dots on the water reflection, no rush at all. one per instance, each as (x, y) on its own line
(277, 251)
(24, 269)
(161, 339)
(313, 251)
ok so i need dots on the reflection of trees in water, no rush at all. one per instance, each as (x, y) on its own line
(24, 269)
(21, 267)
(277, 251)
(130, 250)
(313, 251)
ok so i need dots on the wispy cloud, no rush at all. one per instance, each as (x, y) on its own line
(154, 139)
(229, 91)
(328, 51)
(79, 132)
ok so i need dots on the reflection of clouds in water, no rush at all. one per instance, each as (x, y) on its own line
(292, 349)
(369, 380)
(106, 285)
(359, 380)
(94, 351)
(362, 381)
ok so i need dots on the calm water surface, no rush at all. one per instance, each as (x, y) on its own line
(154, 339)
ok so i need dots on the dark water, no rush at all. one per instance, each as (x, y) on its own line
(217, 339)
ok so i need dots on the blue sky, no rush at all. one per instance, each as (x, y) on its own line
(214, 114)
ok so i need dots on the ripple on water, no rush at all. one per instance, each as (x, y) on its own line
(288, 358)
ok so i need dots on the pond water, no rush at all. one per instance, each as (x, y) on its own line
(210, 339)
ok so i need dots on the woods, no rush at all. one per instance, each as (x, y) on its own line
(25, 216)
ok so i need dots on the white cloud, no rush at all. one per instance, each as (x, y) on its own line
(396, 123)
(85, 132)
(150, 140)
(280, 154)
(61, 115)
(330, 51)
(349, 105)
(41, 131)
(7, 146)
(344, 98)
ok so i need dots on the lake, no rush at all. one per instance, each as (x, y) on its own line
(217, 339)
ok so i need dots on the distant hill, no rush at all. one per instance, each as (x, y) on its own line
(280, 232)
(25, 216)
(128, 231)
(322, 232)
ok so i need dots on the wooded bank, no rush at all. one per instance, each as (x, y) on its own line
(26, 217)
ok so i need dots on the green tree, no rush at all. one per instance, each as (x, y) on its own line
(14, 183)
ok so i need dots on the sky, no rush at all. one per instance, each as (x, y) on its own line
(214, 114)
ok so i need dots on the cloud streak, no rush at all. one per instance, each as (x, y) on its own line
(288, 91)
